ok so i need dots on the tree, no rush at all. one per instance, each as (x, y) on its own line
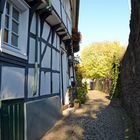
(98, 59)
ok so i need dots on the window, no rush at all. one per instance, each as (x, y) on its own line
(15, 28)
(11, 27)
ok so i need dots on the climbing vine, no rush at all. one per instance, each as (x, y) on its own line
(115, 76)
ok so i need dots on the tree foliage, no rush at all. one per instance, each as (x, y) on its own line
(100, 59)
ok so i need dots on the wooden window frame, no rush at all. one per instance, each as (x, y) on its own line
(19, 49)
(10, 24)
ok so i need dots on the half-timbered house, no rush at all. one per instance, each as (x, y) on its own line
(36, 64)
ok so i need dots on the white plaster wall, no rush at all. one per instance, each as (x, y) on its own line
(69, 26)
(64, 17)
(54, 60)
(55, 64)
(55, 78)
(12, 85)
(33, 24)
(32, 51)
(58, 61)
(67, 17)
(68, 9)
(46, 30)
(45, 83)
(65, 74)
(55, 41)
(31, 83)
(58, 42)
(47, 57)
(56, 5)
(50, 39)
(38, 60)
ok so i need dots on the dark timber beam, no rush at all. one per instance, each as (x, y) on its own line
(2, 4)
(34, 5)
(63, 35)
(60, 30)
(57, 26)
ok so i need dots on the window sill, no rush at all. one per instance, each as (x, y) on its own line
(14, 52)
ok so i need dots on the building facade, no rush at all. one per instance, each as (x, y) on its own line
(36, 64)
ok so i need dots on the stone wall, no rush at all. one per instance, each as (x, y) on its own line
(130, 69)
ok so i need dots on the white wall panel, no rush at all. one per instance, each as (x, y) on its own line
(58, 43)
(32, 51)
(64, 16)
(68, 9)
(69, 26)
(55, 41)
(56, 5)
(45, 83)
(47, 57)
(31, 83)
(65, 73)
(12, 85)
(46, 30)
(58, 62)
(33, 24)
(54, 61)
(55, 78)
(50, 39)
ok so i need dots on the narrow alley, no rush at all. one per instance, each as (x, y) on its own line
(98, 119)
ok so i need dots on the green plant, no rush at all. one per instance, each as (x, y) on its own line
(115, 78)
(82, 93)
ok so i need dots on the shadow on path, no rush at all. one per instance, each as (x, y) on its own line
(95, 120)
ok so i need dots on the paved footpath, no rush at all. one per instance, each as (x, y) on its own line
(96, 120)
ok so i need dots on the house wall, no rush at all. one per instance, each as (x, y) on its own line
(37, 76)
(44, 49)
(9, 89)
(43, 114)
(130, 69)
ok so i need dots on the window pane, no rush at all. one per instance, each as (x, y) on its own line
(14, 40)
(5, 35)
(6, 21)
(15, 27)
(7, 8)
(15, 14)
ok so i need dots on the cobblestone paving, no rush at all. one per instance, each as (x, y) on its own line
(96, 120)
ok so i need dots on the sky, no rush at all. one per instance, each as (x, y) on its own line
(104, 20)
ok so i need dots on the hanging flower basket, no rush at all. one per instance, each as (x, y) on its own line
(76, 36)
